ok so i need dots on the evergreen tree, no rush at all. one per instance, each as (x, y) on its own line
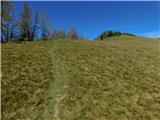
(110, 33)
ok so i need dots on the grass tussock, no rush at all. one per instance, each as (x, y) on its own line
(80, 80)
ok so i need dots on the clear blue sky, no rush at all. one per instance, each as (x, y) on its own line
(92, 18)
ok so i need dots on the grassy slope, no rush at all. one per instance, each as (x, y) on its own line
(79, 80)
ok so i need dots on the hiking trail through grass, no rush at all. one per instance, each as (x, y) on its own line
(112, 79)
(57, 90)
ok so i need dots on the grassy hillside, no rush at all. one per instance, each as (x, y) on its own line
(114, 79)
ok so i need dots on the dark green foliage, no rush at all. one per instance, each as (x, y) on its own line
(111, 33)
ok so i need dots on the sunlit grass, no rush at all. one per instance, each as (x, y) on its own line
(118, 78)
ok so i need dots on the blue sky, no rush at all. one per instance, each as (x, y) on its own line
(92, 18)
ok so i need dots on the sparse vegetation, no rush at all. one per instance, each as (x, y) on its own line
(73, 34)
(81, 80)
(31, 25)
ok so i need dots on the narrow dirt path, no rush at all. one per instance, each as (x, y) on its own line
(57, 91)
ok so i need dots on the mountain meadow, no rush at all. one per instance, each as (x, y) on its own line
(113, 79)
(58, 64)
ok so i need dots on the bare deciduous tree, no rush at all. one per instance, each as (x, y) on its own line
(59, 34)
(26, 23)
(35, 26)
(73, 34)
(45, 25)
(7, 26)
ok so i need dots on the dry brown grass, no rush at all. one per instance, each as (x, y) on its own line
(81, 80)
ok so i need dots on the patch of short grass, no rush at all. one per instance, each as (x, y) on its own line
(26, 76)
(111, 80)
